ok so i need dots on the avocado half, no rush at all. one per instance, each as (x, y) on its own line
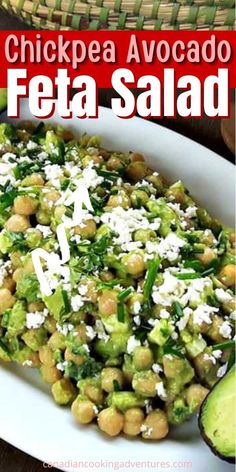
(217, 418)
(3, 99)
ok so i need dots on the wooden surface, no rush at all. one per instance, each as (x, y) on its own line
(207, 132)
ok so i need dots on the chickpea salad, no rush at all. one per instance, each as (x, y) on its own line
(114, 284)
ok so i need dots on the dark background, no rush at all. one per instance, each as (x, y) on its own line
(205, 130)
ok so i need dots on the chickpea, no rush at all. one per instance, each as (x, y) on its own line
(195, 394)
(134, 263)
(24, 205)
(33, 180)
(136, 157)
(9, 283)
(81, 333)
(16, 259)
(107, 303)
(46, 356)
(94, 393)
(156, 424)
(111, 421)
(18, 274)
(208, 237)
(114, 163)
(33, 237)
(133, 421)
(87, 229)
(6, 300)
(57, 341)
(139, 198)
(35, 306)
(77, 359)
(232, 238)
(17, 224)
(144, 383)
(49, 199)
(50, 374)
(83, 411)
(213, 331)
(227, 275)
(143, 358)
(134, 302)
(50, 324)
(136, 171)
(43, 218)
(121, 199)
(207, 256)
(109, 374)
(63, 391)
(176, 193)
(106, 276)
(157, 181)
(91, 289)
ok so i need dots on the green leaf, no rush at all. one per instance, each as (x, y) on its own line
(177, 310)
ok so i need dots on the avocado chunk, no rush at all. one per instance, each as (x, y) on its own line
(3, 98)
(217, 418)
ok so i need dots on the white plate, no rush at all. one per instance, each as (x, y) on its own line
(28, 417)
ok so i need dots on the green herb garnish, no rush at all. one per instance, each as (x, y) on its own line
(150, 278)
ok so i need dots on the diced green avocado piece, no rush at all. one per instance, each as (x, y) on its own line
(178, 411)
(113, 325)
(195, 346)
(112, 347)
(161, 332)
(168, 216)
(178, 369)
(217, 418)
(125, 400)
(3, 99)
(28, 287)
(35, 338)
(55, 303)
(16, 319)
(63, 392)
(7, 132)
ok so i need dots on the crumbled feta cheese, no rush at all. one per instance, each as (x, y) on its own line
(95, 409)
(90, 332)
(203, 314)
(146, 429)
(222, 296)
(132, 344)
(137, 320)
(148, 406)
(100, 330)
(36, 319)
(190, 212)
(53, 171)
(90, 177)
(31, 145)
(125, 222)
(207, 357)
(65, 328)
(136, 307)
(225, 330)
(82, 289)
(222, 370)
(217, 353)
(45, 230)
(164, 314)
(157, 368)
(161, 391)
(61, 365)
(169, 248)
(27, 363)
(76, 302)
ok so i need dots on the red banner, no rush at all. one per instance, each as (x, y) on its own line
(100, 53)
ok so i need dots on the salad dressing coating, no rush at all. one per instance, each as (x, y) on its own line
(138, 323)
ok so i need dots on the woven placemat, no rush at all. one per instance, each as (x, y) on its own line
(124, 14)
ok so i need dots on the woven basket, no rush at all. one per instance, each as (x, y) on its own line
(124, 14)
